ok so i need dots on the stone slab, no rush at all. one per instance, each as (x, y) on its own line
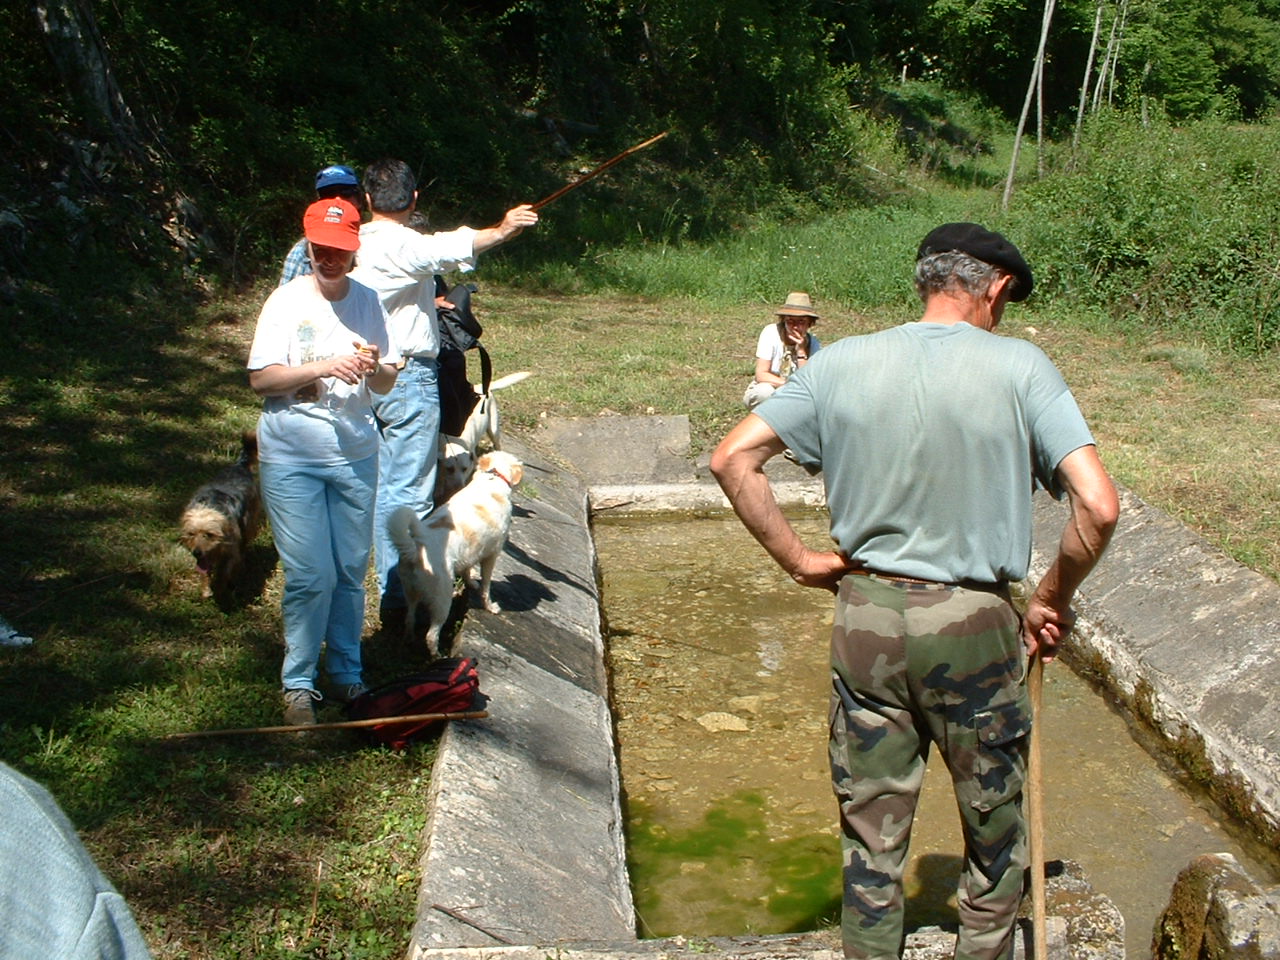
(1185, 638)
(617, 449)
(525, 805)
(703, 496)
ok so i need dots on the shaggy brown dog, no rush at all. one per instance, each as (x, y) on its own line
(221, 520)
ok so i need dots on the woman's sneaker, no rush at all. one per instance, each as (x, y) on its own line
(299, 707)
(347, 692)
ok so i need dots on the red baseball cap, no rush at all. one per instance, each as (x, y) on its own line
(334, 222)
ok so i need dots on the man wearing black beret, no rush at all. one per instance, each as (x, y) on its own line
(931, 437)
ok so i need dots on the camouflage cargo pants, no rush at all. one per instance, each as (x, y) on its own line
(913, 665)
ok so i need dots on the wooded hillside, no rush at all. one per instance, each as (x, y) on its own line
(187, 134)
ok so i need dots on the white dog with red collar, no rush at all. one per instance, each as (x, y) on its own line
(470, 530)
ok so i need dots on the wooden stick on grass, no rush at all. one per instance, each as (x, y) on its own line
(336, 725)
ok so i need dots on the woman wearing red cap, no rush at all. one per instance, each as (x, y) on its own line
(320, 347)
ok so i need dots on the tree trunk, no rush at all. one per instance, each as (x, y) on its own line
(1107, 62)
(1088, 69)
(1146, 70)
(84, 66)
(1037, 73)
(1040, 119)
(1115, 54)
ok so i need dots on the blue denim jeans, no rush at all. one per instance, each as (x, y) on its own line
(321, 520)
(409, 418)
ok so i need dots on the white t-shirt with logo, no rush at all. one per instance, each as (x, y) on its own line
(298, 325)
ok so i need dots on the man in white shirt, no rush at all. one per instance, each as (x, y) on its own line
(400, 264)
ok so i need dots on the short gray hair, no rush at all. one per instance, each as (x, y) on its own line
(953, 272)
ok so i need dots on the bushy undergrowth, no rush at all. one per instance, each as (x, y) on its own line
(1171, 228)
(1153, 228)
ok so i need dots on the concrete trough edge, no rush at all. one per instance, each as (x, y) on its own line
(687, 497)
(1160, 685)
(1254, 767)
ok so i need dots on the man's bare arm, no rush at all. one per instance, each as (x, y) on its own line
(515, 221)
(1095, 507)
(738, 466)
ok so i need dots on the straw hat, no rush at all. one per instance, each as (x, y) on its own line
(797, 305)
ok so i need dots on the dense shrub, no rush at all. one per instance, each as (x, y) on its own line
(1176, 228)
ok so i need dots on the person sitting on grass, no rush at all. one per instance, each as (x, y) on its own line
(783, 348)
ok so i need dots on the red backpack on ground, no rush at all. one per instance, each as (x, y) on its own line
(447, 686)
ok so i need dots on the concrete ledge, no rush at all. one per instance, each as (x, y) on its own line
(1186, 638)
(525, 839)
(693, 497)
(1063, 940)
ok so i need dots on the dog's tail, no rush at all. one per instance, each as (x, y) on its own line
(405, 530)
(510, 380)
(248, 449)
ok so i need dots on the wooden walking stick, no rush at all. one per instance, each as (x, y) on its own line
(1035, 816)
(336, 725)
(598, 170)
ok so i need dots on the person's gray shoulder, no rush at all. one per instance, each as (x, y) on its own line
(1030, 353)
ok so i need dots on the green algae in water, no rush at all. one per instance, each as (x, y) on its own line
(724, 875)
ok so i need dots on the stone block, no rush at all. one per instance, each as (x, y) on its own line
(1217, 912)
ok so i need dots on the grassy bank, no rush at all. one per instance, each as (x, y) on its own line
(250, 846)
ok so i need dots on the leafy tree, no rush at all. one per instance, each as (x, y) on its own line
(138, 124)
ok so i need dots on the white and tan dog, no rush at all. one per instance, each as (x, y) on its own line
(457, 455)
(470, 530)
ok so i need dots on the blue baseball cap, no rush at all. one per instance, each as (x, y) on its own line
(336, 175)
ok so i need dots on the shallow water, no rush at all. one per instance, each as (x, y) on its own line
(720, 685)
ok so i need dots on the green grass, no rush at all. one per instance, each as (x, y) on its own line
(228, 847)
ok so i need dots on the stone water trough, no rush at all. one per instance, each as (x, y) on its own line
(524, 853)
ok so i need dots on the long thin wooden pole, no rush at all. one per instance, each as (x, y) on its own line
(335, 725)
(1088, 70)
(1101, 83)
(1035, 815)
(1026, 104)
(598, 170)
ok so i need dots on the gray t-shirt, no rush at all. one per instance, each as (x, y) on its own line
(931, 438)
(54, 901)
